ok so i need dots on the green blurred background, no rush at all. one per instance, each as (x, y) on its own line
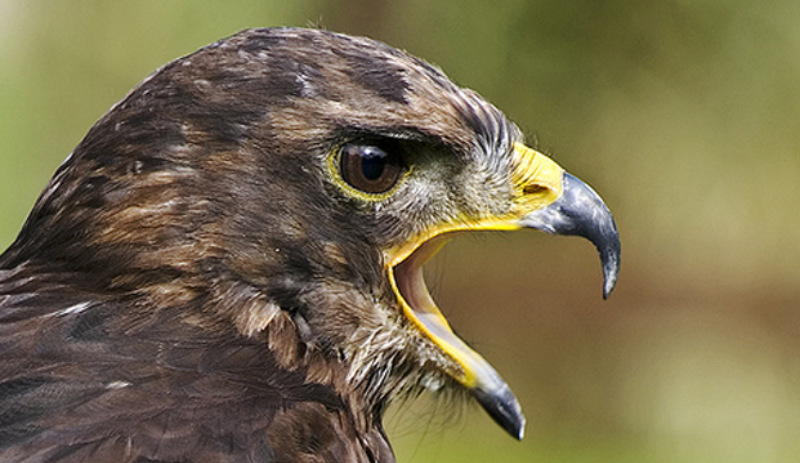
(684, 114)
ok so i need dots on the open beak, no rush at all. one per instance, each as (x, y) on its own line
(547, 199)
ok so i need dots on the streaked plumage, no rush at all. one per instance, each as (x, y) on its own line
(226, 267)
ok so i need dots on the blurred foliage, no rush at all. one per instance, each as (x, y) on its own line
(684, 114)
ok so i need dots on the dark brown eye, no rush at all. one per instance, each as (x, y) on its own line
(370, 168)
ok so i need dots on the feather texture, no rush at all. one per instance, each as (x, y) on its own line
(193, 286)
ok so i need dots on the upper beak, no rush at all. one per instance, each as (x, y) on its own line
(580, 211)
(554, 201)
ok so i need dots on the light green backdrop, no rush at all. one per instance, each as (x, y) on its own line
(684, 114)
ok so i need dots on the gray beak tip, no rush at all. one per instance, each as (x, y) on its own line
(610, 258)
(503, 407)
(610, 272)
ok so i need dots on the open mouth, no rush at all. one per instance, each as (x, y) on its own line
(408, 282)
(473, 372)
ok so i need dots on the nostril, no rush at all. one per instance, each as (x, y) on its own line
(533, 189)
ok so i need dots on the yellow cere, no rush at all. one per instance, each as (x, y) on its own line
(537, 178)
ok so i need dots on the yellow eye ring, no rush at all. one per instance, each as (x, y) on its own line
(369, 171)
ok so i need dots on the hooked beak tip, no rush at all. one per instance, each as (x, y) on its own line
(580, 211)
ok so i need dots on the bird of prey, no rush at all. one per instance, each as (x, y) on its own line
(228, 267)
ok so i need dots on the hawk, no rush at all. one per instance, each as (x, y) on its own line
(228, 267)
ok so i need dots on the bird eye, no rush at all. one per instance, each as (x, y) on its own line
(370, 168)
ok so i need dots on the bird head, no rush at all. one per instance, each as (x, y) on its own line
(288, 185)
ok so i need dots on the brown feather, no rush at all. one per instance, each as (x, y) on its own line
(192, 286)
